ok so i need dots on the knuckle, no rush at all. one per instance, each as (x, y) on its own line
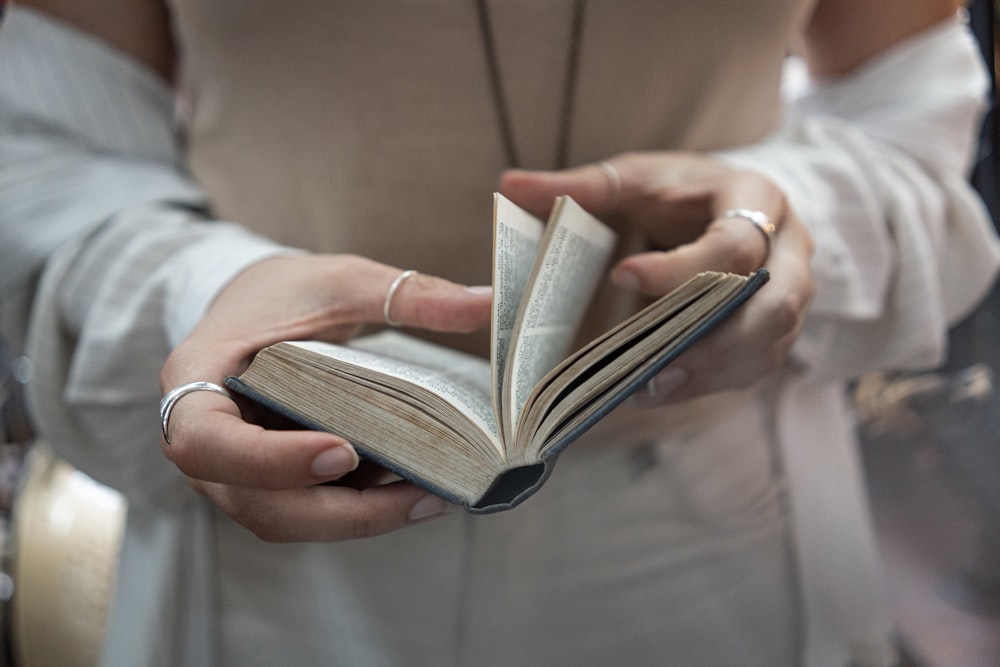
(362, 525)
(261, 522)
(349, 263)
(364, 521)
(764, 188)
(774, 194)
(241, 506)
(340, 268)
(787, 305)
(786, 313)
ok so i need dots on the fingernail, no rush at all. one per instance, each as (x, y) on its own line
(431, 505)
(661, 386)
(479, 290)
(338, 460)
(626, 279)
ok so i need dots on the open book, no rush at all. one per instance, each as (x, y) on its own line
(485, 434)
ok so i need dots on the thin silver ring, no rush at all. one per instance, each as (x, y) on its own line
(614, 184)
(759, 219)
(387, 306)
(170, 399)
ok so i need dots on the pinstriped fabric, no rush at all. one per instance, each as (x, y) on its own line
(876, 168)
(111, 110)
(89, 234)
(95, 129)
(89, 173)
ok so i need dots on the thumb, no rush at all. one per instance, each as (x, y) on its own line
(654, 274)
(590, 186)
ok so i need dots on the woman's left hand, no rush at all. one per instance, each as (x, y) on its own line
(679, 202)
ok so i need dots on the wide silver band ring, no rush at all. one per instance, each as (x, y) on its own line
(387, 306)
(759, 219)
(170, 399)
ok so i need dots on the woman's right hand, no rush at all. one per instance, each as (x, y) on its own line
(679, 201)
(270, 481)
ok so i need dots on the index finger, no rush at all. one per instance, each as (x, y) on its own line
(749, 212)
(590, 185)
(433, 303)
(729, 244)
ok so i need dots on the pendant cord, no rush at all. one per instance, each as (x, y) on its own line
(569, 87)
(500, 100)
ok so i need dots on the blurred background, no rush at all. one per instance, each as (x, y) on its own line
(930, 443)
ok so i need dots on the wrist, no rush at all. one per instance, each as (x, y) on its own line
(200, 271)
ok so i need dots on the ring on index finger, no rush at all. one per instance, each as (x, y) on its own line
(387, 304)
(758, 219)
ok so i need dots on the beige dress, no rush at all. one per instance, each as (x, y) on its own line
(656, 541)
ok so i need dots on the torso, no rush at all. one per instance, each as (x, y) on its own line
(378, 134)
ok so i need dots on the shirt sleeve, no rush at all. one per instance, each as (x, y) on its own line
(876, 165)
(107, 254)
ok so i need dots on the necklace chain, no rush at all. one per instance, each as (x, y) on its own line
(568, 92)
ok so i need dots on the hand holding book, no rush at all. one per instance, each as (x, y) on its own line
(675, 199)
(269, 480)
(487, 436)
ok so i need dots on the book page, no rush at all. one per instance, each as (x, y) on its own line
(516, 237)
(462, 380)
(571, 263)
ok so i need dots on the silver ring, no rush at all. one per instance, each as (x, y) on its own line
(614, 184)
(167, 402)
(759, 220)
(387, 306)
